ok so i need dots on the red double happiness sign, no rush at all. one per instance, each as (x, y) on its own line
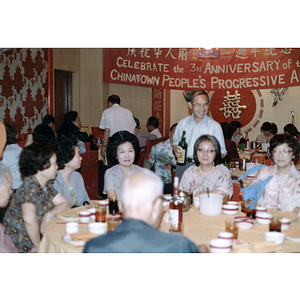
(213, 70)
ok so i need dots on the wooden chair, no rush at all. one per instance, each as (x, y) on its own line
(90, 173)
(97, 132)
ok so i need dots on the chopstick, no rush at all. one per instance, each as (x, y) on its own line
(207, 190)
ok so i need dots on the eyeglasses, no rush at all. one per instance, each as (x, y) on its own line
(199, 105)
(284, 152)
(208, 151)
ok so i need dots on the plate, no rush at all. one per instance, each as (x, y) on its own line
(67, 218)
(66, 238)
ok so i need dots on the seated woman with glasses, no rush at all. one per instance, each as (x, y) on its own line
(283, 190)
(208, 172)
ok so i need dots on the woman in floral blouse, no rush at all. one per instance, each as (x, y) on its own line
(36, 201)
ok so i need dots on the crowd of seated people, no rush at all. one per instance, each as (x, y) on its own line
(41, 180)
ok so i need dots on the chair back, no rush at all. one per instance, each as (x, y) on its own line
(151, 143)
(90, 172)
(97, 132)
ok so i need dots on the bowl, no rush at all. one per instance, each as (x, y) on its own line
(230, 209)
(277, 237)
(263, 218)
(220, 245)
(285, 223)
(225, 235)
(72, 227)
(261, 209)
(232, 202)
(245, 225)
(212, 205)
(97, 228)
(84, 216)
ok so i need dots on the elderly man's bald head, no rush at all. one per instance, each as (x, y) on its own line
(140, 195)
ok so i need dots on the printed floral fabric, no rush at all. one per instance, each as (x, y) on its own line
(30, 191)
(161, 156)
(282, 191)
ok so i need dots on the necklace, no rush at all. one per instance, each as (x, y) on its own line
(206, 172)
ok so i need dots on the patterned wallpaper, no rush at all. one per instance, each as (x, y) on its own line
(23, 87)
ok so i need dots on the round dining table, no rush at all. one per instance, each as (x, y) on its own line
(197, 227)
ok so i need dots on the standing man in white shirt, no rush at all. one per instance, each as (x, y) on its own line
(115, 118)
(152, 126)
(196, 125)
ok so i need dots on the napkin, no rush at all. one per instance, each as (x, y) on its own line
(258, 247)
(292, 232)
(85, 236)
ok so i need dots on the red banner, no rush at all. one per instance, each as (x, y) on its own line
(189, 69)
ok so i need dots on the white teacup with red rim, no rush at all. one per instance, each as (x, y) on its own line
(261, 209)
(220, 245)
(84, 216)
(225, 235)
(285, 223)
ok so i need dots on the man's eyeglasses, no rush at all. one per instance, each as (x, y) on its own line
(208, 151)
(284, 152)
(199, 105)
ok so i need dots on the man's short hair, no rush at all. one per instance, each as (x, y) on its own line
(153, 121)
(43, 133)
(4, 170)
(173, 126)
(11, 134)
(197, 93)
(48, 119)
(114, 99)
(70, 116)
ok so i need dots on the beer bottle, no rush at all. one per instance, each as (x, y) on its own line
(181, 160)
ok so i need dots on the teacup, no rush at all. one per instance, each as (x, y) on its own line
(84, 216)
(72, 227)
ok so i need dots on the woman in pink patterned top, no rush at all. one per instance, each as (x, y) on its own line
(283, 190)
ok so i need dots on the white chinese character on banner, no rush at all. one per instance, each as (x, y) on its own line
(286, 51)
(157, 52)
(169, 52)
(144, 52)
(241, 53)
(182, 54)
(131, 52)
(255, 50)
(269, 51)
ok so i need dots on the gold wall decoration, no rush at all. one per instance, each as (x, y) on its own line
(231, 105)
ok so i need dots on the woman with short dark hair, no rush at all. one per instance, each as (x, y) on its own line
(122, 153)
(68, 181)
(283, 190)
(208, 171)
(36, 201)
